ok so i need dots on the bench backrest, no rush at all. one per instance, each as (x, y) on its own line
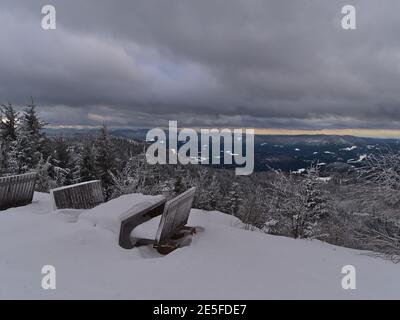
(86, 195)
(175, 216)
(16, 191)
(136, 216)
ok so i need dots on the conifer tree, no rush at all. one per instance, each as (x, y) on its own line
(105, 160)
(87, 164)
(233, 199)
(31, 138)
(315, 205)
(44, 182)
(8, 138)
(60, 162)
(8, 123)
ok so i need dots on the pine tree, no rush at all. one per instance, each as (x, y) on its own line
(253, 213)
(73, 175)
(44, 182)
(8, 123)
(208, 192)
(31, 138)
(13, 163)
(233, 199)
(87, 164)
(307, 206)
(60, 162)
(8, 137)
(3, 154)
(105, 160)
(316, 206)
(128, 180)
(31, 122)
(181, 182)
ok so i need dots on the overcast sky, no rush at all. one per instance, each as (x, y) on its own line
(264, 63)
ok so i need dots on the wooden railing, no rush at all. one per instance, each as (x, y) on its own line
(84, 195)
(16, 191)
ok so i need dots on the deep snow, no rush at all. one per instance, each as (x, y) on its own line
(223, 262)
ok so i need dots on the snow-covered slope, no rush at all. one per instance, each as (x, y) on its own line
(223, 262)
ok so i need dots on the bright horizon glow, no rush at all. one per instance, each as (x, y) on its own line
(372, 133)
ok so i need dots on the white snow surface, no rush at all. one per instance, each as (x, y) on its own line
(349, 148)
(224, 261)
(360, 159)
(75, 185)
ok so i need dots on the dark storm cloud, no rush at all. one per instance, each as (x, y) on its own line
(261, 63)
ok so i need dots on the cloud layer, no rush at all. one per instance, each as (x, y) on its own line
(253, 63)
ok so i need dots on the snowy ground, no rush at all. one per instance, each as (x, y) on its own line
(223, 262)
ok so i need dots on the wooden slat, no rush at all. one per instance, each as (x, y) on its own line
(79, 196)
(175, 216)
(17, 190)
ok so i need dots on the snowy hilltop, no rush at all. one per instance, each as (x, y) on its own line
(224, 261)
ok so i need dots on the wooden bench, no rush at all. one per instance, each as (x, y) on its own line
(17, 191)
(172, 231)
(85, 195)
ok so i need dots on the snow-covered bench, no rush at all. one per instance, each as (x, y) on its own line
(85, 195)
(172, 231)
(17, 191)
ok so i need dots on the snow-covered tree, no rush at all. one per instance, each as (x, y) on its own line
(105, 160)
(8, 123)
(136, 176)
(253, 211)
(378, 198)
(8, 138)
(315, 206)
(208, 191)
(60, 161)
(44, 180)
(31, 138)
(300, 204)
(233, 199)
(87, 163)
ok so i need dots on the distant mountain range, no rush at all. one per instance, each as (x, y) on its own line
(139, 134)
(298, 152)
(289, 153)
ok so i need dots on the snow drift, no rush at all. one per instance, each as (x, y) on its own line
(223, 262)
